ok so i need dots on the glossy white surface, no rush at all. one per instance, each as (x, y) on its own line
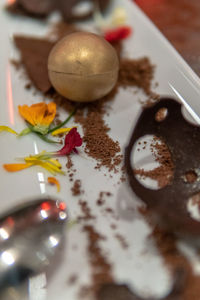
(136, 264)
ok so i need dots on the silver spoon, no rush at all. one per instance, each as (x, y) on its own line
(29, 236)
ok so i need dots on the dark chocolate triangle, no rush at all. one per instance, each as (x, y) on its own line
(34, 55)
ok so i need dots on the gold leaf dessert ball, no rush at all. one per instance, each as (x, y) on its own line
(83, 67)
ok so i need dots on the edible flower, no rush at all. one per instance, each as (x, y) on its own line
(51, 165)
(72, 140)
(54, 181)
(114, 28)
(39, 115)
(118, 34)
(8, 129)
(45, 159)
(61, 131)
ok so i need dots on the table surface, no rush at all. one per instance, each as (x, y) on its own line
(179, 21)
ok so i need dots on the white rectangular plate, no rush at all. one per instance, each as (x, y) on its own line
(136, 264)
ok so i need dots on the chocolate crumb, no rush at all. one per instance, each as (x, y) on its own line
(190, 176)
(113, 226)
(86, 212)
(72, 279)
(164, 173)
(137, 72)
(100, 200)
(98, 144)
(122, 240)
(76, 189)
(69, 163)
(101, 268)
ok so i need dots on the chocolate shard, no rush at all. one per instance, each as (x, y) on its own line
(68, 11)
(67, 8)
(37, 7)
(34, 55)
(169, 204)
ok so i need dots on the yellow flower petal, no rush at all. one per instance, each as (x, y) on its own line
(54, 181)
(62, 130)
(51, 165)
(8, 129)
(55, 162)
(16, 167)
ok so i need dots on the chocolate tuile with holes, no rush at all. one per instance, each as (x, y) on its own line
(115, 291)
(169, 205)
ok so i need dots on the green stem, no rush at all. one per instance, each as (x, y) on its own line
(63, 123)
(42, 137)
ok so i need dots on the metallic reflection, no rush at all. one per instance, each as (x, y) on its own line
(29, 236)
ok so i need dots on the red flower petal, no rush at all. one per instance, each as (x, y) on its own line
(118, 34)
(72, 140)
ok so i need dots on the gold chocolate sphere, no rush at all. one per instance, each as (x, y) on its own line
(83, 67)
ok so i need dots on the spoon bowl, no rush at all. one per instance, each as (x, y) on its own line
(29, 236)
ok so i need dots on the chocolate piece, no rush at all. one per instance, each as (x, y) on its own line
(67, 8)
(37, 7)
(169, 204)
(34, 55)
(122, 292)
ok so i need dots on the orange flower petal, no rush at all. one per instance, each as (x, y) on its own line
(39, 113)
(53, 180)
(26, 114)
(16, 167)
(49, 114)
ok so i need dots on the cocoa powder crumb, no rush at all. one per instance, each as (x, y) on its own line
(113, 226)
(72, 279)
(190, 176)
(98, 144)
(137, 72)
(16, 63)
(86, 211)
(163, 174)
(122, 240)
(69, 164)
(76, 189)
(101, 268)
(100, 200)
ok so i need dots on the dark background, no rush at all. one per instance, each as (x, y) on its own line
(179, 21)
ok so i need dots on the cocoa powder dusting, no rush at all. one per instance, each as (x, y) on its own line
(101, 269)
(136, 72)
(98, 144)
(164, 173)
